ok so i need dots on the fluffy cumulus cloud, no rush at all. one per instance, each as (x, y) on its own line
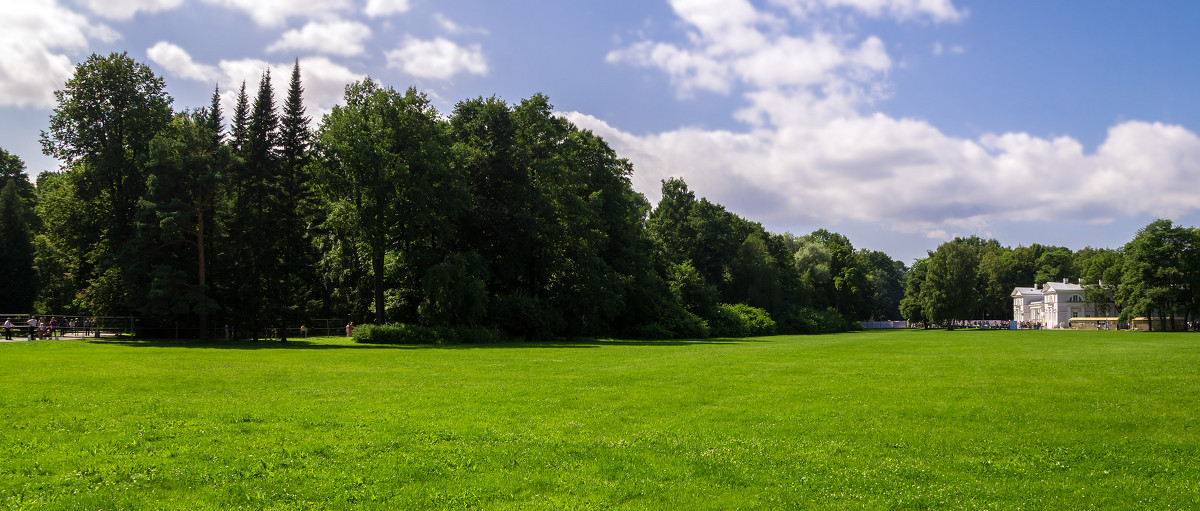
(126, 9)
(177, 62)
(439, 58)
(336, 37)
(38, 39)
(324, 80)
(377, 8)
(813, 151)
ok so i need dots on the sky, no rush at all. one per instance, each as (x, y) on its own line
(899, 123)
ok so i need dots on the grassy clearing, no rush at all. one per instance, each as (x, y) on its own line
(996, 420)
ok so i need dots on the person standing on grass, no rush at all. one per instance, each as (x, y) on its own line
(32, 327)
(8, 326)
(53, 327)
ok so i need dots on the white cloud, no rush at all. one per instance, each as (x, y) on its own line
(813, 152)
(449, 26)
(126, 9)
(177, 62)
(903, 10)
(439, 58)
(273, 13)
(343, 38)
(939, 49)
(731, 43)
(324, 81)
(377, 8)
(37, 40)
(909, 175)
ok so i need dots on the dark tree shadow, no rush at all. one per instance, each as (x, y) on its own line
(301, 344)
(298, 344)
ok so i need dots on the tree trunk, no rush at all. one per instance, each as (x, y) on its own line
(377, 269)
(200, 272)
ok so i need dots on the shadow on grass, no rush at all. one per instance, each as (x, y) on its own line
(300, 344)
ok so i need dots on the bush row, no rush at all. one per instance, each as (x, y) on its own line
(401, 333)
(740, 320)
(726, 320)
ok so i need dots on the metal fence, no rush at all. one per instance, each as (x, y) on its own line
(76, 327)
(871, 325)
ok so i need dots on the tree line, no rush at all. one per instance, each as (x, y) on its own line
(495, 216)
(1156, 274)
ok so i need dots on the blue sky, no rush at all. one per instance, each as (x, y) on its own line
(900, 123)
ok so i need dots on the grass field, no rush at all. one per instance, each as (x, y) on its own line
(909, 419)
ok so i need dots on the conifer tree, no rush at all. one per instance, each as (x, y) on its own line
(239, 130)
(259, 287)
(214, 120)
(295, 200)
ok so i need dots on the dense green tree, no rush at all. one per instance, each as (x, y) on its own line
(17, 278)
(187, 171)
(755, 276)
(885, 279)
(912, 306)
(950, 291)
(1154, 280)
(1055, 264)
(691, 291)
(811, 260)
(379, 154)
(107, 114)
(63, 247)
(12, 169)
(1100, 274)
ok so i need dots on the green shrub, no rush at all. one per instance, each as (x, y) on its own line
(726, 322)
(651, 331)
(804, 320)
(522, 315)
(403, 333)
(396, 333)
(473, 335)
(740, 320)
(674, 322)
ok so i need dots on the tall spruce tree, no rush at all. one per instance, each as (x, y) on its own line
(213, 118)
(239, 128)
(295, 202)
(259, 285)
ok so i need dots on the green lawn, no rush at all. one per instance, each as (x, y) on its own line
(911, 419)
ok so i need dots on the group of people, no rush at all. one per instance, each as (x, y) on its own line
(40, 328)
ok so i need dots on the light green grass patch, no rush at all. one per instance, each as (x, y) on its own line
(909, 419)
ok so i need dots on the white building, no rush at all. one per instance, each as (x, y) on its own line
(1052, 305)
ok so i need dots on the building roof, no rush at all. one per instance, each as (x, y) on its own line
(1058, 287)
(1026, 291)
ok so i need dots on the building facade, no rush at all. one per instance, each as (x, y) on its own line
(1051, 305)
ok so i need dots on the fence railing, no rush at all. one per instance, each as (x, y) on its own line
(70, 326)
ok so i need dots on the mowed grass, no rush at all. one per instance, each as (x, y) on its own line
(907, 419)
